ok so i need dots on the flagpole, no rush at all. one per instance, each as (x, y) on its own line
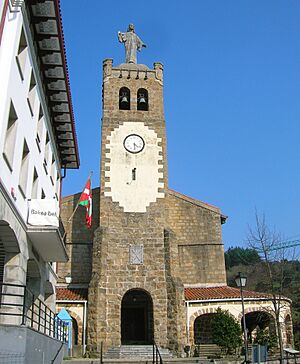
(73, 213)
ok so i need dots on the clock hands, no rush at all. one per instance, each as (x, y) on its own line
(134, 143)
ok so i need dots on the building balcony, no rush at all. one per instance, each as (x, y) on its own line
(49, 241)
(46, 230)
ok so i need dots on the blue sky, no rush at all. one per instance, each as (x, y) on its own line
(231, 95)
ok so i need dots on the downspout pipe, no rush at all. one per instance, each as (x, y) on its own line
(187, 323)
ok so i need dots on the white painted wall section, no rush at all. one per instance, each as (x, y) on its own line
(134, 195)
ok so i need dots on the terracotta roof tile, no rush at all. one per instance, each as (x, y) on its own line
(220, 293)
(72, 294)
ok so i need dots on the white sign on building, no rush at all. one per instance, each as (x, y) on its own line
(43, 212)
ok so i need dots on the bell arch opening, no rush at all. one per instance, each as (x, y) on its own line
(137, 318)
(124, 98)
(142, 99)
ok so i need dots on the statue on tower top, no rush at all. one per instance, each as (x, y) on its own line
(131, 42)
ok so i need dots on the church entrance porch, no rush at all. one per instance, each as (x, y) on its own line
(136, 318)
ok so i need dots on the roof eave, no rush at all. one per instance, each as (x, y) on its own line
(47, 33)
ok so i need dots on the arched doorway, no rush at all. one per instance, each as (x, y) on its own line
(136, 318)
(203, 329)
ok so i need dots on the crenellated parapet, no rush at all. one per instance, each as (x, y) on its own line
(131, 71)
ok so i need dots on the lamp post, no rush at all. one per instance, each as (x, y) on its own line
(240, 281)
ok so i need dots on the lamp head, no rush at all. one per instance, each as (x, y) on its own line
(68, 278)
(241, 280)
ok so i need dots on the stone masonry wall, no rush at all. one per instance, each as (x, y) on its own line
(198, 252)
(79, 239)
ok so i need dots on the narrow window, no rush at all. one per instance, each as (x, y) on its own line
(53, 171)
(124, 99)
(46, 155)
(39, 129)
(43, 194)
(142, 99)
(24, 169)
(31, 94)
(57, 194)
(10, 137)
(34, 191)
(22, 54)
(133, 172)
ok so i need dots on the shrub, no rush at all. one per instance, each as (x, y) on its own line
(226, 331)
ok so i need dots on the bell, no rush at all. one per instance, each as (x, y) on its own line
(124, 100)
(142, 99)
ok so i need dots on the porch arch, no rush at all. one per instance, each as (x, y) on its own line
(258, 319)
(77, 332)
(195, 316)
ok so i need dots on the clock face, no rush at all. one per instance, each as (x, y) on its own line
(134, 143)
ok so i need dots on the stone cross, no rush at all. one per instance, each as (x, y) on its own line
(131, 42)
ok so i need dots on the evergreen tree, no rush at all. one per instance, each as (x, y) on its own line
(245, 256)
(226, 331)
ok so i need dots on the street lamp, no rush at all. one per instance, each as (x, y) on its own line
(240, 281)
(68, 278)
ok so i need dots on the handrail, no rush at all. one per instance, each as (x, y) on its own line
(19, 305)
(156, 357)
(101, 352)
(58, 351)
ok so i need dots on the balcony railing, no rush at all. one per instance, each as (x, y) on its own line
(19, 306)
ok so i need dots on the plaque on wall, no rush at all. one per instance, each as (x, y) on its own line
(136, 254)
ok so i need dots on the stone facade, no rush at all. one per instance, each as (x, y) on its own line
(198, 254)
(79, 240)
(130, 257)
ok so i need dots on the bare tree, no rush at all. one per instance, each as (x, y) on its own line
(267, 242)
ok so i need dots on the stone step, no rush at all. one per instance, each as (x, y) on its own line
(142, 361)
(135, 352)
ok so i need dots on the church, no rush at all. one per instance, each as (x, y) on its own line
(151, 267)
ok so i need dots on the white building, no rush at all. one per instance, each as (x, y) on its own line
(37, 145)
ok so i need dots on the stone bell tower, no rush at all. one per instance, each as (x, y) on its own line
(133, 298)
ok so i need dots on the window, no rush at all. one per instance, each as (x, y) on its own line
(35, 180)
(53, 171)
(22, 54)
(124, 99)
(46, 155)
(43, 194)
(10, 137)
(142, 99)
(24, 169)
(57, 187)
(32, 93)
(40, 128)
